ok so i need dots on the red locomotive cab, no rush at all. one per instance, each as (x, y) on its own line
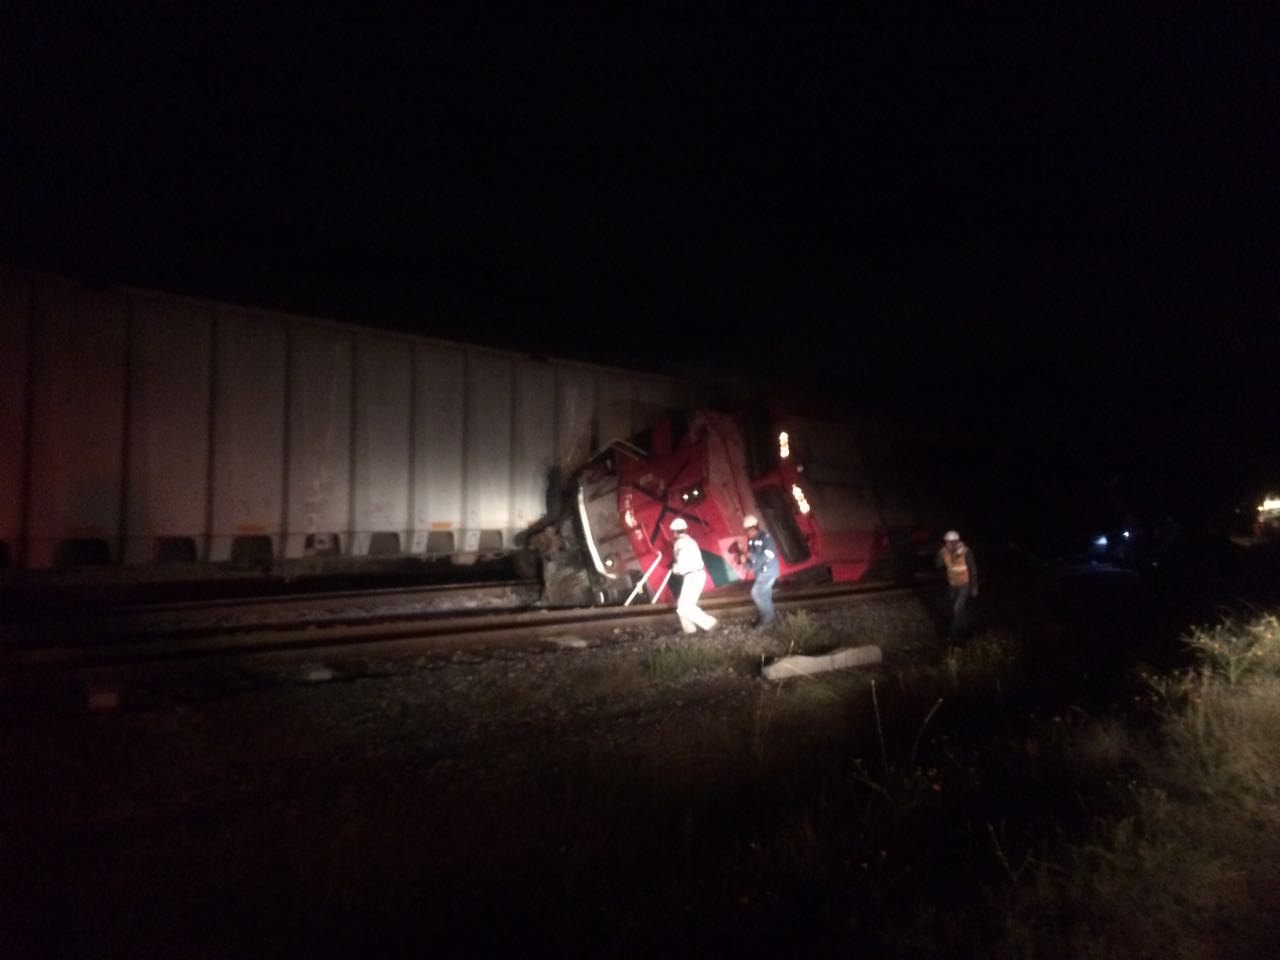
(697, 475)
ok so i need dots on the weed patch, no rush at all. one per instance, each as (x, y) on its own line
(1232, 652)
(802, 632)
(987, 659)
(677, 662)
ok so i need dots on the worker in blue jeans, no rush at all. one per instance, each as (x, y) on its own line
(762, 560)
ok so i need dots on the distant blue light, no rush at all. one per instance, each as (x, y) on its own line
(1100, 541)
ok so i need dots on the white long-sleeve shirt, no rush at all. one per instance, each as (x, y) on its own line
(686, 556)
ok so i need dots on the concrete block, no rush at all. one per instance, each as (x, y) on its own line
(803, 666)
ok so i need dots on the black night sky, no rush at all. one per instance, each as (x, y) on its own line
(1050, 228)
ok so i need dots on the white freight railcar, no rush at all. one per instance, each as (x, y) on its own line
(138, 427)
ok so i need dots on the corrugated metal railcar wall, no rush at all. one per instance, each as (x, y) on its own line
(138, 426)
(170, 427)
(77, 399)
(250, 388)
(320, 402)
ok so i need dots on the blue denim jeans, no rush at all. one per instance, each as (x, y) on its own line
(762, 593)
(959, 611)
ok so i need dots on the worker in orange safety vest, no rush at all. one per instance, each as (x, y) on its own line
(962, 580)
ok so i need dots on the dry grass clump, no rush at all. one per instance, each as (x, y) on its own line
(1177, 872)
(679, 661)
(802, 632)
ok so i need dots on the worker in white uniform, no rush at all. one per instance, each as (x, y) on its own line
(687, 562)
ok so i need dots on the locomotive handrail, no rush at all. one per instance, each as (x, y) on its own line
(644, 580)
(670, 570)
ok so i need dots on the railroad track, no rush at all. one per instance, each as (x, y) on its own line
(116, 624)
(396, 634)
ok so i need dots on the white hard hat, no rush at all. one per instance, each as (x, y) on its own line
(951, 535)
(679, 524)
(750, 521)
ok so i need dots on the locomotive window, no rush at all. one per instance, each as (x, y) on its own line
(779, 518)
(679, 427)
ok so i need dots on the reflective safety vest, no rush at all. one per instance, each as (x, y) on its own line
(957, 564)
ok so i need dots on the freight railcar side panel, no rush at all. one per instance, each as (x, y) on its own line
(320, 400)
(168, 491)
(15, 303)
(438, 448)
(77, 452)
(654, 399)
(615, 400)
(488, 449)
(248, 436)
(140, 426)
(533, 443)
(576, 435)
(384, 384)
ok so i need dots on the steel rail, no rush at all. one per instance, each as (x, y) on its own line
(333, 608)
(66, 612)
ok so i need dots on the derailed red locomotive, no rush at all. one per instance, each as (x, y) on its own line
(838, 504)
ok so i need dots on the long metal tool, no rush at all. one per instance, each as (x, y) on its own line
(644, 579)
